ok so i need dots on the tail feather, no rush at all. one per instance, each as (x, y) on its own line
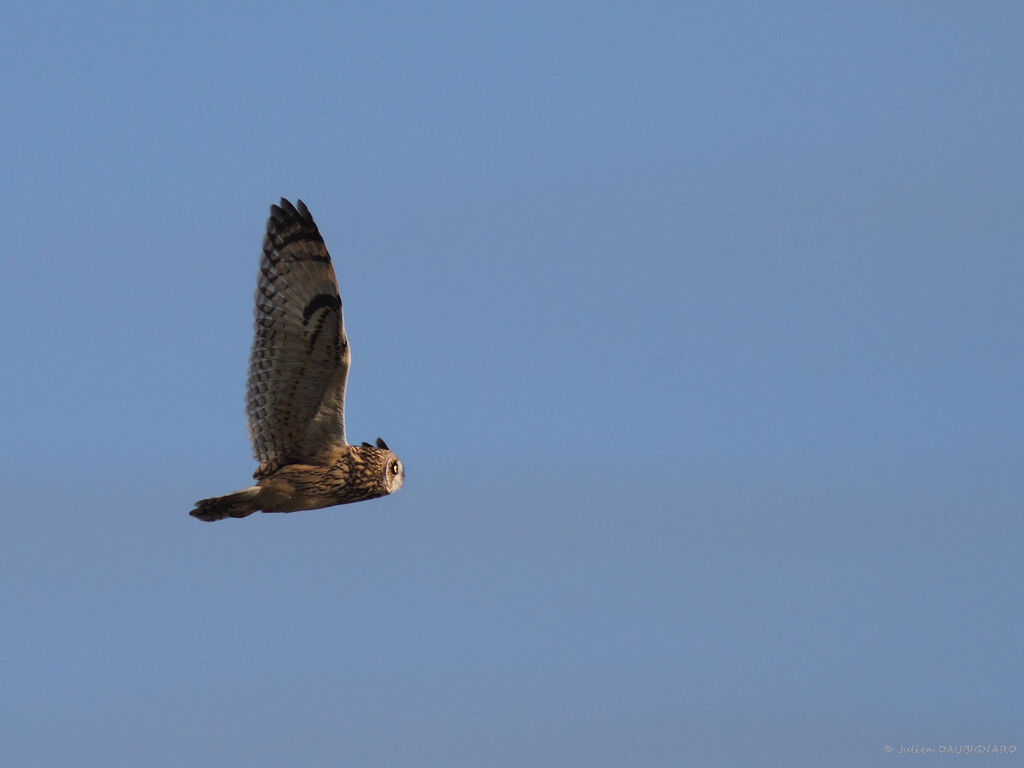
(238, 504)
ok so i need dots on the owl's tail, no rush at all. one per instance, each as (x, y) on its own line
(237, 504)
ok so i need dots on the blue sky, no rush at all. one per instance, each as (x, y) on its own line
(697, 327)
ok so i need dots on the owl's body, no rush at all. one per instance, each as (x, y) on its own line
(295, 398)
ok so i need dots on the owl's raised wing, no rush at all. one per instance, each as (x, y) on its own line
(295, 398)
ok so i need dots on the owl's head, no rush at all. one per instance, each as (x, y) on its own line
(391, 466)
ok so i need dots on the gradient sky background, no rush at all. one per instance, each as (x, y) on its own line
(697, 325)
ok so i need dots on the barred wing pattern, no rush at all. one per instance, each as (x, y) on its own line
(295, 399)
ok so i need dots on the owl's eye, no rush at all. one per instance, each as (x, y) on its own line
(394, 468)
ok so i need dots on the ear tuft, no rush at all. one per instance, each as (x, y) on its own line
(382, 444)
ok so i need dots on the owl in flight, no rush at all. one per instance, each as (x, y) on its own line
(295, 398)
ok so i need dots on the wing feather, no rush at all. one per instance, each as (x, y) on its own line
(298, 368)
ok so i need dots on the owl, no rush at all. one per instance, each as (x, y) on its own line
(295, 396)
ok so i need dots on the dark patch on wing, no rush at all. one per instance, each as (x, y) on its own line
(321, 301)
